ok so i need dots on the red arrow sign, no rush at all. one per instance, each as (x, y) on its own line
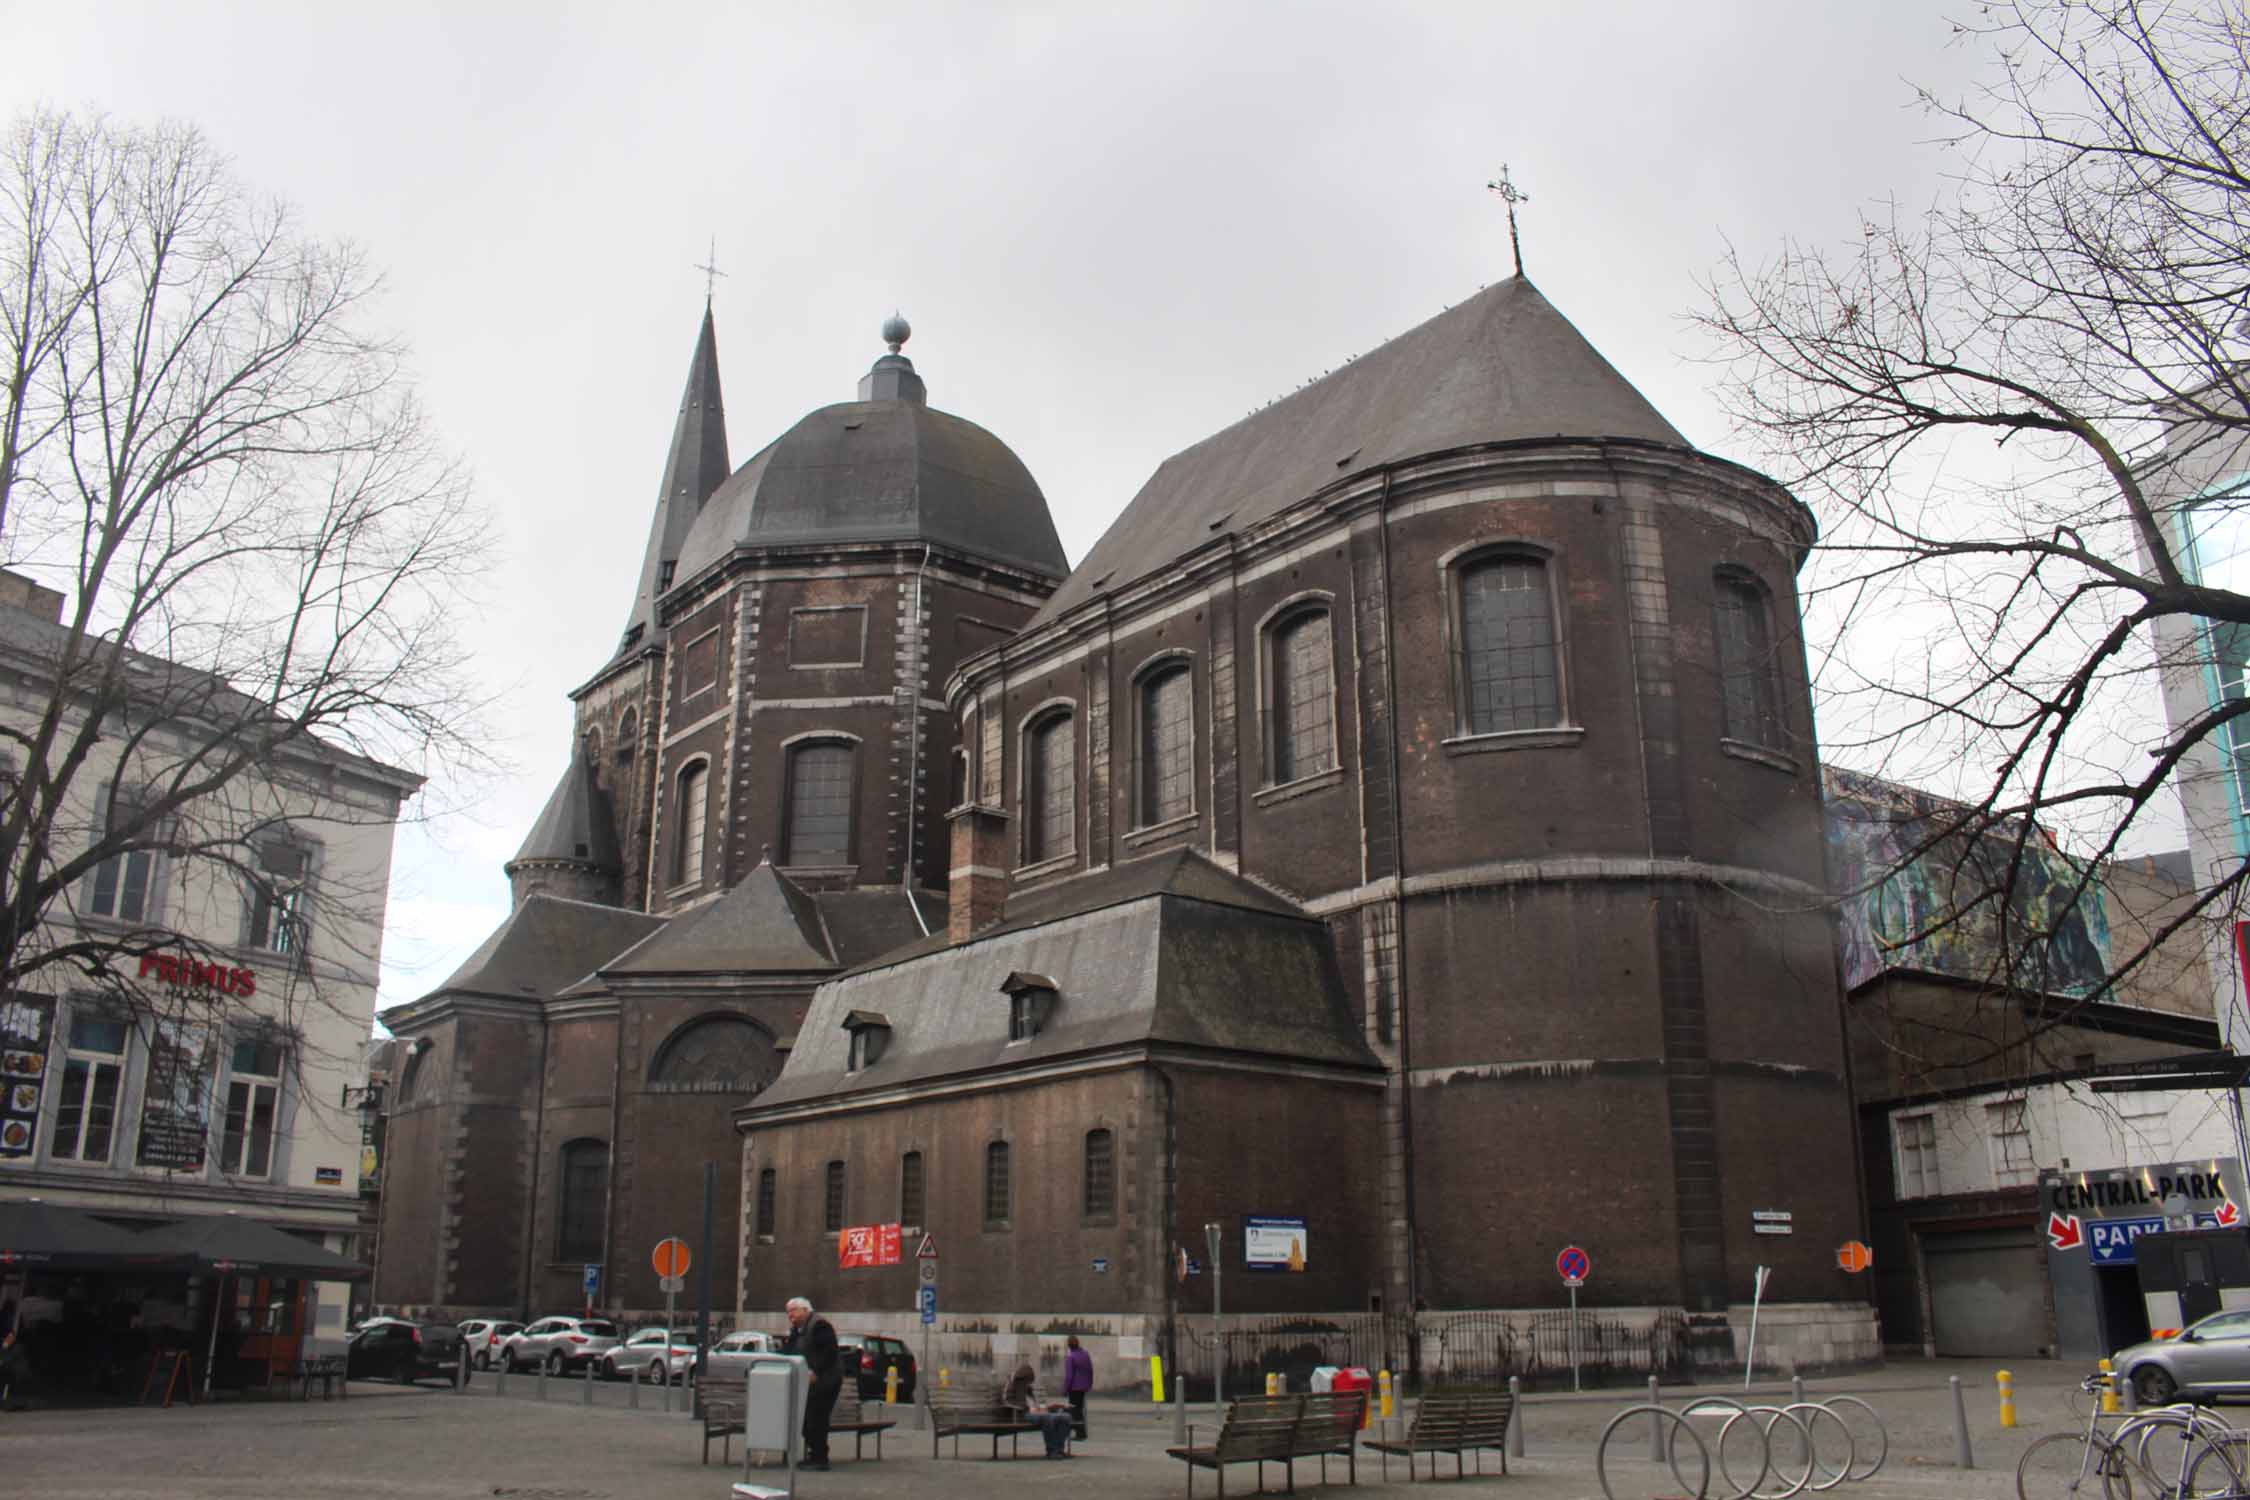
(2063, 1232)
(2228, 1215)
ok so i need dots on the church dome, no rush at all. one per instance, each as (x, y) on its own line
(887, 467)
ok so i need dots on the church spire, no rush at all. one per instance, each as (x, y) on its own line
(692, 470)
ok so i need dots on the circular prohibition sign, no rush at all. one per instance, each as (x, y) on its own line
(1573, 1265)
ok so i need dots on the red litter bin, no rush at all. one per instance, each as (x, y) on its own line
(1356, 1378)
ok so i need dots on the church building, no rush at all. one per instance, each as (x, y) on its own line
(1397, 845)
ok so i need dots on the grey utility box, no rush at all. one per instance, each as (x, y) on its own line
(774, 1393)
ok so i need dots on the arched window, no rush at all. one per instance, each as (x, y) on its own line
(1510, 678)
(1167, 745)
(1749, 686)
(910, 1199)
(1101, 1174)
(832, 1213)
(767, 1192)
(819, 829)
(1301, 667)
(722, 1054)
(628, 737)
(694, 799)
(996, 1186)
(583, 1184)
(1050, 791)
(957, 779)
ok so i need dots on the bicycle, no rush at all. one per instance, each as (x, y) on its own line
(2204, 1462)
(2064, 1464)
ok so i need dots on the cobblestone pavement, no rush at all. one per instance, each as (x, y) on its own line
(428, 1442)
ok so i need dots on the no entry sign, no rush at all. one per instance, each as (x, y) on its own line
(1573, 1266)
(671, 1257)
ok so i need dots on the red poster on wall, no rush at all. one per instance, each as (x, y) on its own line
(867, 1245)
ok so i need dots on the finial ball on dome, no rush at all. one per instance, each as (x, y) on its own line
(896, 331)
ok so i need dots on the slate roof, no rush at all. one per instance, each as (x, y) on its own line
(576, 825)
(765, 924)
(1174, 952)
(544, 946)
(695, 466)
(1503, 366)
(886, 470)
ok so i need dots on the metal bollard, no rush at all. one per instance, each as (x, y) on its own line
(671, 1380)
(1273, 1383)
(1797, 1390)
(500, 1385)
(462, 1385)
(1515, 1415)
(1962, 1456)
(944, 1377)
(588, 1398)
(890, 1385)
(1387, 1395)
(633, 1397)
(542, 1379)
(2006, 1380)
(1655, 1425)
(2109, 1388)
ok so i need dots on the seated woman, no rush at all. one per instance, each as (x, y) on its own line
(1053, 1417)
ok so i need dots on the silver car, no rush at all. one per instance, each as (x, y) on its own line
(484, 1337)
(730, 1357)
(2209, 1357)
(561, 1344)
(653, 1354)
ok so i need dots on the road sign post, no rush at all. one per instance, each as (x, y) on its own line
(670, 1259)
(925, 1295)
(593, 1282)
(1213, 1241)
(1574, 1265)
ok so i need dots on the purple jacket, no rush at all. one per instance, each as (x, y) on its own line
(1078, 1370)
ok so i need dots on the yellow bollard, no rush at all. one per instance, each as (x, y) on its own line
(2007, 1384)
(2109, 1389)
(1273, 1383)
(944, 1377)
(1383, 1384)
(1156, 1378)
(890, 1386)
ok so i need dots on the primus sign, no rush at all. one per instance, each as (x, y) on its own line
(193, 973)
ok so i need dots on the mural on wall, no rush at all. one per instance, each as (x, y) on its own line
(1937, 911)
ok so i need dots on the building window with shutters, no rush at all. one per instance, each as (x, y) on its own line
(1100, 1200)
(253, 1106)
(767, 1192)
(997, 1200)
(910, 1206)
(1508, 675)
(832, 1214)
(693, 809)
(93, 1073)
(1916, 1137)
(582, 1186)
(1050, 788)
(1749, 669)
(1164, 745)
(818, 826)
(1300, 697)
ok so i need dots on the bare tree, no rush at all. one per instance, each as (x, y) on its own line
(221, 470)
(2016, 412)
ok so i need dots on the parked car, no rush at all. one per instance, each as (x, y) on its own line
(868, 1355)
(653, 1354)
(2209, 1357)
(561, 1344)
(729, 1358)
(387, 1349)
(484, 1337)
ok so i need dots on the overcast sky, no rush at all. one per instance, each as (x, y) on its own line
(1115, 228)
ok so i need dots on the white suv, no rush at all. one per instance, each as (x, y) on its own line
(561, 1344)
(484, 1337)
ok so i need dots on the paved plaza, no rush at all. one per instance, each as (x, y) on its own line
(412, 1443)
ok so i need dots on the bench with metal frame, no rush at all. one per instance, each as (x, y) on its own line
(1279, 1429)
(1455, 1422)
(952, 1413)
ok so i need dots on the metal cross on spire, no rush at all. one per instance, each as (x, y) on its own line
(1511, 195)
(711, 271)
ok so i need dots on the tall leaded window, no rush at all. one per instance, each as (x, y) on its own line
(997, 1205)
(1101, 1174)
(279, 914)
(910, 1200)
(1749, 686)
(1050, 789)
(820, 805)
(687, 855)
(1510, 678)
(767, 1192)
(253, 1104)
(1303, 711)
(583, 1186)
(832, 1211)
(1167, 745)
(93, 1068)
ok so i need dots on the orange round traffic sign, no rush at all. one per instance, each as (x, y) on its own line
(671, 1257)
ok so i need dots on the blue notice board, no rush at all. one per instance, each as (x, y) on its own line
(2109, 1242)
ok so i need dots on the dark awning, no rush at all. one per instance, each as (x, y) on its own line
(48, 1236)
(239, 1246)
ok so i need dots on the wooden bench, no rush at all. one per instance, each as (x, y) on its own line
(953, 1413)
(1455, 1422)
(723, 1406)
(1329, 1427)
(1258, 1429)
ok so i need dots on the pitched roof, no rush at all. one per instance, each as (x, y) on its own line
(576, 825)
(1503, 366)
(695, 466)
(544, 946)
(765, 924)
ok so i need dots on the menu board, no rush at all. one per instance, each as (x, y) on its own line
(176, 1109)
(27, 1023)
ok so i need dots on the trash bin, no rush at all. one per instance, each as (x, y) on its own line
(1323, 1379)
(1356, 1378)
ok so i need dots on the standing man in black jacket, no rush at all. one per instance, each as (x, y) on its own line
(813, 1338)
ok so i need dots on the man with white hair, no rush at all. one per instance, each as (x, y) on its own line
(813, 1338)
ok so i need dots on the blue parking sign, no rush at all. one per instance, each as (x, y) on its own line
(2109, 1242)
(927, 1297)
(593, 1279)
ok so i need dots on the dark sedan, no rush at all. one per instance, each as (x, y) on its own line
(405, 1352)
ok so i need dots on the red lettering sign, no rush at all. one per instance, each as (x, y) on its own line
(887, 1253)
(179, 968)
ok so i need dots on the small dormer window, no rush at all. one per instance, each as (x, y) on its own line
(870, 1031)
(1031, 999)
